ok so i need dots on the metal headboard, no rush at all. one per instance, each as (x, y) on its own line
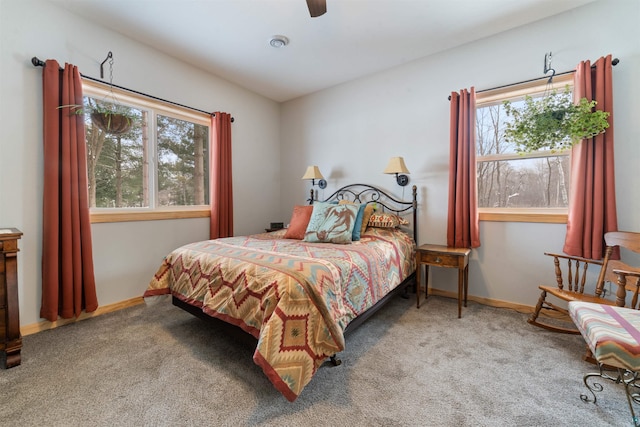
(365, 193)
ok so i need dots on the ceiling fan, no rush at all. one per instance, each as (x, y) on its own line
(317, 7)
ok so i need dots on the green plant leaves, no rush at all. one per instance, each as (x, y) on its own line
(553, 122)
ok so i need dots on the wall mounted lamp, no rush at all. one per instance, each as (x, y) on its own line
(313, 173)
(396, 166)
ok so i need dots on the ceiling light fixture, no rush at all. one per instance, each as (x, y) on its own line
(278, 41)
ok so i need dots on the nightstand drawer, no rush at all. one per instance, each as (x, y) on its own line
(443, 260)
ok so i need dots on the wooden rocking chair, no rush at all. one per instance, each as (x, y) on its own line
(571, 282)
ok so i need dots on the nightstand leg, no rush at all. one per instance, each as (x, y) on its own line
(466, 283)
(426, 283)
(460, 291)
(418, 276)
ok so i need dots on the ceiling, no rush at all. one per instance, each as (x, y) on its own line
(230, 38)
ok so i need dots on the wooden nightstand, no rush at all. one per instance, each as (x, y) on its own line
(443, 256)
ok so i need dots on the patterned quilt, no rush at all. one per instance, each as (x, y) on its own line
(295, 297)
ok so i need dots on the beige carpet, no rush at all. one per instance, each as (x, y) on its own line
(156, 365)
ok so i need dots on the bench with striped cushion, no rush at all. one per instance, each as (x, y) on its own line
(612, 333)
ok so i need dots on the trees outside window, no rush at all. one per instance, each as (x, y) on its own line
(507, 179)
(182, 161)
(162, 161)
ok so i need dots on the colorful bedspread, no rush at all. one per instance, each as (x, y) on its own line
(295, 297)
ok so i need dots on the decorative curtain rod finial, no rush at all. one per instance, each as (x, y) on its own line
(37, 62)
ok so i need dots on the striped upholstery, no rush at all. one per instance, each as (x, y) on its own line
(612, 333)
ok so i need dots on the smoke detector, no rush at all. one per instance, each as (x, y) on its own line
(278, 41)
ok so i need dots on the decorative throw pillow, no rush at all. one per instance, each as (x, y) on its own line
(368, 211)
(355, 236)
(386, 220)
(331, 223)
(299, 222)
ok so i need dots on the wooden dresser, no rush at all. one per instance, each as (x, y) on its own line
(10, 338)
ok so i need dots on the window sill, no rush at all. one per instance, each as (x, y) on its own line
(120, 216)
(551, 216)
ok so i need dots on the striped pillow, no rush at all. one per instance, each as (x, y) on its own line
(386, 220)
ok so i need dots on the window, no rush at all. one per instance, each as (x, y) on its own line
(532, 187)
(159, 168)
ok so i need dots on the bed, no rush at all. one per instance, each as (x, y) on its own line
(300, 290)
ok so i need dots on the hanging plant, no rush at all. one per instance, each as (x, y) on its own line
(114, 124)
(108, 115)
(553, 122)
(113, 119)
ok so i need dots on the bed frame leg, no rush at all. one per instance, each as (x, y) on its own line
(335, 361)
(410, 284)
(405, 293)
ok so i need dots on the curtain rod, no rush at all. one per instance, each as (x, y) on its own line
(39, 63)
(614, 62)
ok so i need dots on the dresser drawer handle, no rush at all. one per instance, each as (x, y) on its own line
(438, 260)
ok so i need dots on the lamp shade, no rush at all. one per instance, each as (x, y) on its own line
(396, 165)
(312, 173)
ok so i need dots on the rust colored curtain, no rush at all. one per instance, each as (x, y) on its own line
(462, 224)
(68, 282)
(220, 182)
(592, 202)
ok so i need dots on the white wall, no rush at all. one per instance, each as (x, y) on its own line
(125, 254)
(351, 130)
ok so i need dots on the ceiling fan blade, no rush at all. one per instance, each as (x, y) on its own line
(317, 7)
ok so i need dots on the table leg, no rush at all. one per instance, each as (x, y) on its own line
(426, 283)
(418, 275)
(466, 283)
(460, 291)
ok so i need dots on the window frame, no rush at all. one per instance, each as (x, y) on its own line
(519, 91)
(100, 90)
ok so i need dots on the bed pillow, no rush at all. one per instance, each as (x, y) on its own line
(366, 216)
(386, 220)
(299, 222)
(357, 227)
(331, 223)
